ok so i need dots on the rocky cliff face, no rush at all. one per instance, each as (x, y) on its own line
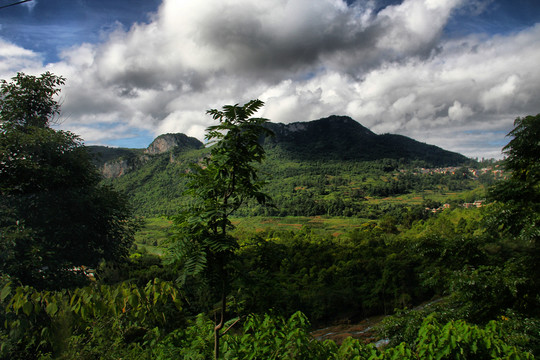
(116, 168)
(166, 142)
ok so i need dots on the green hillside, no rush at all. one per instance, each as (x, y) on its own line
(331, 166)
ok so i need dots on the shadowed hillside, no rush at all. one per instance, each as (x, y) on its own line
(342, 138)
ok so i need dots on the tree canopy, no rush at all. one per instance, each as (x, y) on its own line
(519, 195)
(55, 217)
(30, 100)
(524, 149)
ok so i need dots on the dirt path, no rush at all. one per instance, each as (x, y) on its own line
(364, 331)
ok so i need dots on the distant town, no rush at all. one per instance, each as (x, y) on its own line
(494, 170)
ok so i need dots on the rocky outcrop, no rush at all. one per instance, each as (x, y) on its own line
(129, 161)
(116, 168)
(166, 142)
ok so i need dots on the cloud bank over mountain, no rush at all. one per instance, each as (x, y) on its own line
(393, 68)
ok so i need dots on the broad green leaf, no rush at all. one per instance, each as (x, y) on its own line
(5, 292)
(28, 307)
(84, 311)
(133, 300)
(51, 309)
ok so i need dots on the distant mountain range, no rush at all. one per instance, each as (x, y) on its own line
(331, 138)
(332, 150)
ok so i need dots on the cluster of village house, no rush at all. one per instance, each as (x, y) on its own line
(477, 203)
(495, 171)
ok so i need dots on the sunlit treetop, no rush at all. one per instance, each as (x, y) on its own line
(523, 151)
(30, 100)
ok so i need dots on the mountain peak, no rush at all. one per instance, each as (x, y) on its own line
(332, 124)
(166, 142)
(343, 138)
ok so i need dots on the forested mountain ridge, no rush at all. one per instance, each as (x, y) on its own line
(331, 138)
(342, 138)
(322, 167)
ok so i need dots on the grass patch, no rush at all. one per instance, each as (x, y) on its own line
(153, 232)
(320, 224)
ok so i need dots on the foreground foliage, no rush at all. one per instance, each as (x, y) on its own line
(85, 322)
(138, 323)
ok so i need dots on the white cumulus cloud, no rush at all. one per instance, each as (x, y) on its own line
(13, 58)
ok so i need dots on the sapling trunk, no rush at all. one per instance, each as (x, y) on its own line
(219, 326)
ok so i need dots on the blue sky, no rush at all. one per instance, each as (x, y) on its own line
(453, 73)
(48, 26)
(498, 17)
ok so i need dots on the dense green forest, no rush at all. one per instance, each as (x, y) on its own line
(263, 248)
